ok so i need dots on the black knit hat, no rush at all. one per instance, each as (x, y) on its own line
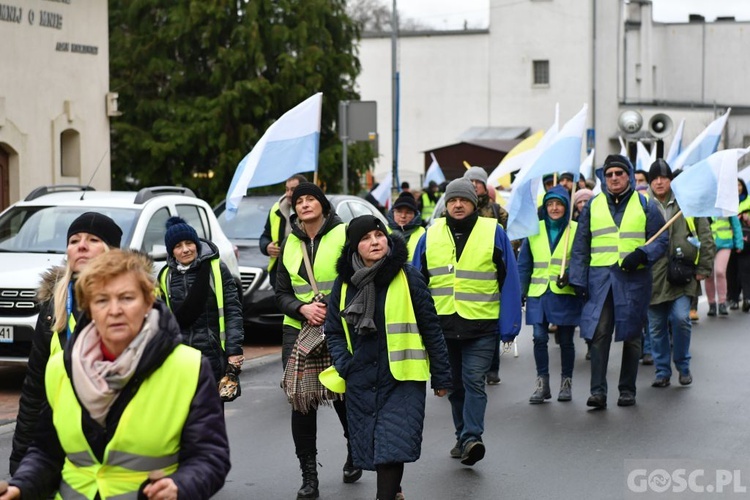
(406, 200)
(659, 168)
(178, 230)
(314, 191)
(360, 226)
(617, 161)
(99, 225)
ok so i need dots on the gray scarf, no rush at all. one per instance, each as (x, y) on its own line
(361, 311)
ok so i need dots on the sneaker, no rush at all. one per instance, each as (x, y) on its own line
(456, 450)
(492, 378)
(694, 315)
(661, 382)
(686, 378)
(566, 390)
(473, 452)
(733, 305)
(723, 309)
(647, 359)
(711, 310)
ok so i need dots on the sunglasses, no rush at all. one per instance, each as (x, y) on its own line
(614, 173)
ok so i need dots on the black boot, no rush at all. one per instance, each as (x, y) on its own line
(351, 473)
(309, 468)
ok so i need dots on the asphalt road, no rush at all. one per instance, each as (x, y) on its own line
(554, 450)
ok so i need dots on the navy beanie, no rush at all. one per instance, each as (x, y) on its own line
(99, 225)
(178, 230)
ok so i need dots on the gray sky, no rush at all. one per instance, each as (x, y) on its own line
(451, 14)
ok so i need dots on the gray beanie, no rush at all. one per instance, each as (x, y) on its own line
(461, 188)
(476, 174)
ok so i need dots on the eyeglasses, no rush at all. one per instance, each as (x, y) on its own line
(614, 173)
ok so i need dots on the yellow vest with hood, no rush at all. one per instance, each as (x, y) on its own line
(467, 286)
(275, 221)
(610, 244)
(146, 437)
(324, 266)
(547, 266)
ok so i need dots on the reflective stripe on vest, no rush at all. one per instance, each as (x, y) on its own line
(146, 437)
(407, 356)
(275, 220)
(217, 285)
(428, 206)
(468, 286)
(721, 228)
(55, 346)
(547, 266)
(414, 238)
(609, 245)
(324, 266)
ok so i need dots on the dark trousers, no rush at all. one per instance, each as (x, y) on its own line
(600, 346)
(495, 365)
(389, 480)
(733, 278)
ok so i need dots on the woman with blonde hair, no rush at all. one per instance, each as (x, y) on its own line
(89, 235)
(130, 412)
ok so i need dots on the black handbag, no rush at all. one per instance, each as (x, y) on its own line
(680, 271)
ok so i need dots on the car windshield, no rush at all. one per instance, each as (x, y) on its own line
(250, 220)
(44, 229)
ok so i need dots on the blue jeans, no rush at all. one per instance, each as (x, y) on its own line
(600, 345)
(647, 349)
(660, 316)
(567, 349)
(470, 360)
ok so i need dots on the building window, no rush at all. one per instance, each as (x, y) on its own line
(70, 153)
(541, 73)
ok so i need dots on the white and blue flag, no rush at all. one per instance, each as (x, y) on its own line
(289, 146)
(702, 146)
(434, 173)
(709, 188)
(676, 147)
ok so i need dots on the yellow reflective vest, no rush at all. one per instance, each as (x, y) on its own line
(722, 228)
(324, 266)
(275, 221)
(407, 356)
(428, 206)
(547, 265)
(610, 244)
(147, 437)
(54, 345)
(414, 238)
(218, 291)
(467, 286)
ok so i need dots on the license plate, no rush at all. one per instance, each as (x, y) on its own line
(6, 334)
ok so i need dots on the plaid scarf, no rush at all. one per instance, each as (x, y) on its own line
(309, 357)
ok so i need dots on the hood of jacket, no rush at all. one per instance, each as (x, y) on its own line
(560, 193)
(394, 261)
(329, 222)
(50, 277)
(206, 252)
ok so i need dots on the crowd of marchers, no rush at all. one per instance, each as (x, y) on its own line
(373, 312)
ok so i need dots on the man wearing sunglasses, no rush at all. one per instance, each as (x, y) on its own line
(610, 268)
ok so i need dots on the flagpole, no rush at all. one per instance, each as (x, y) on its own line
(664, 227)
(567, 230)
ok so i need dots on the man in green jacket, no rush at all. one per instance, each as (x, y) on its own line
(670, 301)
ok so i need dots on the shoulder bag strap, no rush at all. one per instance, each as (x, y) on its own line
(308, 267)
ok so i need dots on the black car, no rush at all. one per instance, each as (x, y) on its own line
(244, 231)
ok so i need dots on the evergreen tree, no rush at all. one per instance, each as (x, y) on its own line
(200, 82)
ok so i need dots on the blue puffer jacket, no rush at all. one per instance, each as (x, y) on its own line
(385, 416)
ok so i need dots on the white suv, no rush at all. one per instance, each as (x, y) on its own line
(33, 235)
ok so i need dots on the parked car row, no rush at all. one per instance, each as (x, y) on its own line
(33, 237)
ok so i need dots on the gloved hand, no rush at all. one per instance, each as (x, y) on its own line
(562, 281)
(633, 260)
(581, 292)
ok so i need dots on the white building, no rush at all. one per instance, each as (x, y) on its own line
(54, 109)
(537, 53)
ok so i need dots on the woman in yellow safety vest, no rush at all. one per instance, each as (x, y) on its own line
(201, 293)
(550, 299)
(129, 410)
(386, 343)
(405, 220)
(89, 235)
(727, 233)
(738, 268)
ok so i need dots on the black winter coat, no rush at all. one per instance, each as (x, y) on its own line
(204, 448)
(385, 416)
(203, 334)
(32, 391)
